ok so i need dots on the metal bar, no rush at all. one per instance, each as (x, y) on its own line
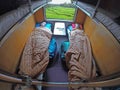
(95, 11)
(107, 83)
(30, 6)
(10, 79)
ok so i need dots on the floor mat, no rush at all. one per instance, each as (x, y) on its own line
(57, 73)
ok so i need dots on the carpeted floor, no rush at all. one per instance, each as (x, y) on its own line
(56, 73)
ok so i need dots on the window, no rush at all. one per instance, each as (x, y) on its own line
(60, 9)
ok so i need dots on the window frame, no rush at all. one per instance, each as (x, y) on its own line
(74, 17)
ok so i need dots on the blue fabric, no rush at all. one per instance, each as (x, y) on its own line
(37, 25)
(48, 25)
(52, 48)
(64, 47)
(69, 28)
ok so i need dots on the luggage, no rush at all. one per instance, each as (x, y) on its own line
(52, 48)
(64, 47)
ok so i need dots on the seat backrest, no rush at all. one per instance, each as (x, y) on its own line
(105, 47)
(13, 43)
(12, 46)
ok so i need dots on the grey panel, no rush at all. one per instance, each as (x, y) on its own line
(113, 27)
(36, 4)
(7, 20)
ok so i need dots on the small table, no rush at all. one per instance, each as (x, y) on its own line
(59, 28)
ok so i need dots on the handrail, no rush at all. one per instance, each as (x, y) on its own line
(98, 3)
(30, 4)
(29, 81)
